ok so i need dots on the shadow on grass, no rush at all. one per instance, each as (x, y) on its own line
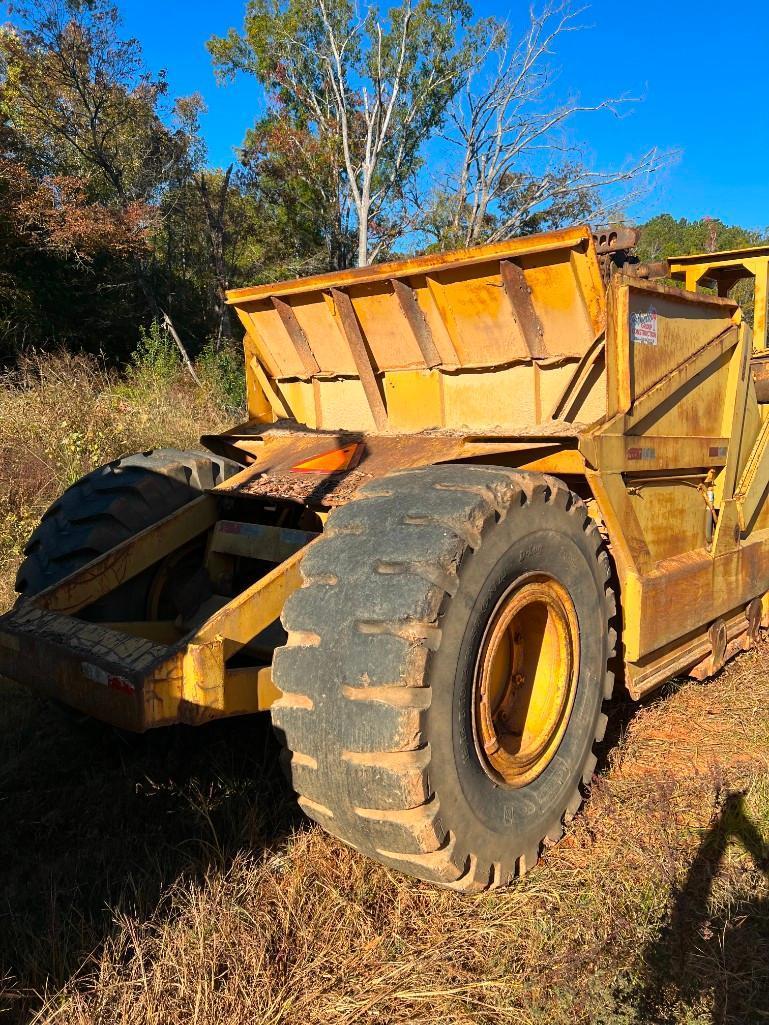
(94, 821)
(711, 962)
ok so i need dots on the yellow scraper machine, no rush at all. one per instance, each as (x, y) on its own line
(475, 491)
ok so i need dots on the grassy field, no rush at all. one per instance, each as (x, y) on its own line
(170, 879)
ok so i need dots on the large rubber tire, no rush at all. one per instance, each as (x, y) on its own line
(108, 506)
(377, 673)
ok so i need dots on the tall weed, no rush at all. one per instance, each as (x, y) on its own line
(63, 415)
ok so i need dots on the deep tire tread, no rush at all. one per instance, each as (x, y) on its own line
(111, 504)
(375, 785)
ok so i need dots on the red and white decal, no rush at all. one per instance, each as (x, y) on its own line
(641, 453)
(643, 327)
(110, 680)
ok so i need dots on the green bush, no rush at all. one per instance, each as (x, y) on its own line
(221, 373)
(156, 360)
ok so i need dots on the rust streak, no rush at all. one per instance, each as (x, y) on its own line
(519, 297)
(416, 321)
(297, 335)
(357, 344)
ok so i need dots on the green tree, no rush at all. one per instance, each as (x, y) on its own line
(372, 88)
(665, 236)
(79, 96)
(297, 175)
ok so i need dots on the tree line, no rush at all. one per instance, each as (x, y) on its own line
(387, 130)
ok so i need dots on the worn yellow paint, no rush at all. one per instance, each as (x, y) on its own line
(130, 558)
(414, 399)
(513, 354)
(752, 486)
(685, 413)
(525, 680)
(375, 333)
(725, 269)
(251, 611)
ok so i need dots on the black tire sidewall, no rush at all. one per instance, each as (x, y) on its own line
(153, 485)
(488, 818)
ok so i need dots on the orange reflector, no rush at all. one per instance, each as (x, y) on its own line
(329, 462)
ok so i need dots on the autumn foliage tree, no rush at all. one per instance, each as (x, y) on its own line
(109, 213)
(56, 213)
(95, 166)
(384, 129)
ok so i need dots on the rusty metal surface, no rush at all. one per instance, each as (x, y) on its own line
(137, 683)
(613, 246)
(363, 364)
(270, 475)
(445, 341)
(647, 271)
(700, 656)
(615, 239)
(759, 366)
(519, 297)
(309, 489)
(97, 670)
(453, 260)
(416, 321)
(681, 412)
(297, 336)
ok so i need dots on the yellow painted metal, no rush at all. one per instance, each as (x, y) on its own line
(144, 674)
(255, 541)
(207, 683)
(516, 355)
(662, 405)
(752, 487)
(723, 270)
(251, 611)
(204, 689)
(683, 413)
(266, 389)
(241, 691)
(480, 338)
(130, 558)
(525, 680)
(203, 674)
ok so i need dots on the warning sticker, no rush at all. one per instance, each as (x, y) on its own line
(643, 327)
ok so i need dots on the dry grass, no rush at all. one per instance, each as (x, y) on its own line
(64, 415)
(169, 879)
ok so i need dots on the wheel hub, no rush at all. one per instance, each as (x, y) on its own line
(525, 680)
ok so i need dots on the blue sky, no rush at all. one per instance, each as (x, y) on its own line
(702, 79)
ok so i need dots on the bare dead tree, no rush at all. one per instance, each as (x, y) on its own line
(515, 169)
(385, 120)
(168, 326)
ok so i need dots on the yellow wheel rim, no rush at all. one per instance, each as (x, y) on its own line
(525, 680)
